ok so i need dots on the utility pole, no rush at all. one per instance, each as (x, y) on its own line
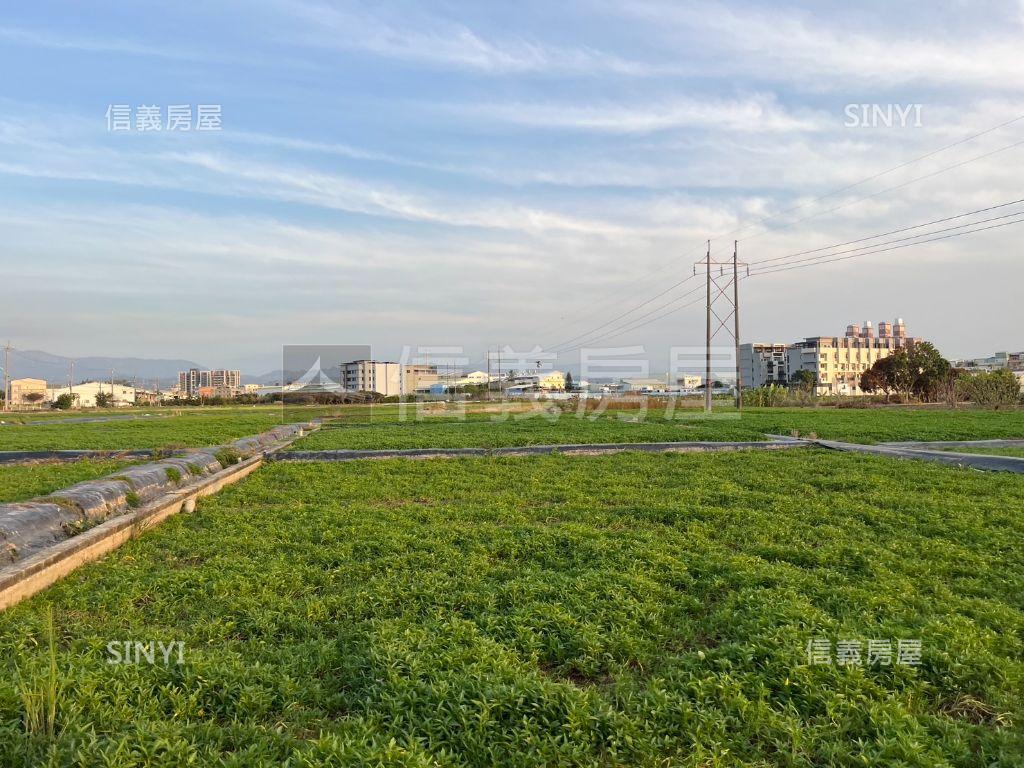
(112, 386)
(721, 291)
(7, 376)
(736, 323)
(707, 346)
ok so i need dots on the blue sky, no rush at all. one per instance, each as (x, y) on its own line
(480, 173)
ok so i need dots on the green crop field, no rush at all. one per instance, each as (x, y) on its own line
(387, 430)
(167, 427)
(25, 481)
(640, 610)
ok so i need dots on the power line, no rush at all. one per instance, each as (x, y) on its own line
(892, 188)
(911, 237)
(620, 316)
(632, 324)
(890, 232)
(826, 195)
(598, 302)
(893, 248)
(879, 175)
(641, 321)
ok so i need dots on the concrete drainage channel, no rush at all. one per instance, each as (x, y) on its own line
(43, 540)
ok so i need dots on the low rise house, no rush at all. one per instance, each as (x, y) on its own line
(475, 378)
(27, 393)
(645, 385)
(86, 392)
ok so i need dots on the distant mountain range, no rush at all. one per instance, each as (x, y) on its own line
(35, 364)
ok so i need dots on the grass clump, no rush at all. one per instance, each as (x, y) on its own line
(227, 457)
(173, 474)
(39, 693)
(132, 500)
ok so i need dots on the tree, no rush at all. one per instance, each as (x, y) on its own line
(570, 385)
(927, 369)
(875, 380)
(103, 399)
(951, 388)
(802, 380)
(64, 401)
(917, 369)
(34, 397)
(995, 389)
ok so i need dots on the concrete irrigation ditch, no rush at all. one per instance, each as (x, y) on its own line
(44, 539)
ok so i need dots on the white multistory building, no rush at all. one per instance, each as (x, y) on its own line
(835, 362)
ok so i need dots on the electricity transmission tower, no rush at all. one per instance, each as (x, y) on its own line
(721, 276)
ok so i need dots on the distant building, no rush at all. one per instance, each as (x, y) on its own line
(1010, 361)
(389, 378)
(27, 393)
(421, 378)
(642, 385)
(836, 362)
(475, 378)
(688, 381)
(547, 381)
(86, 392)
(192, 380)
(371, 376)
(762, 365)
(226, 379)
(189, 381)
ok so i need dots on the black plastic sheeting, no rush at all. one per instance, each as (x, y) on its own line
(943, 444)
(949, 458)
(17, 457)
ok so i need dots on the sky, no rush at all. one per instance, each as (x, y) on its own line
(481, 174)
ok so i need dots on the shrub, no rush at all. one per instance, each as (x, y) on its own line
(63, 402)
(772, 396)
(994, 389)
(227, 457)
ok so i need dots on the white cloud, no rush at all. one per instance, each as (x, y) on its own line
(446, 44)
(782, 46)
(754, 114)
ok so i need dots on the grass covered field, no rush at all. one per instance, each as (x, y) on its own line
(869, 425)
(641, 610)
(167, 427)
(19, 482)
